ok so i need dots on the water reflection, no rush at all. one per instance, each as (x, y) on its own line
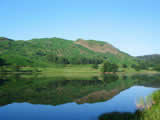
(72, 97)
(55, 90)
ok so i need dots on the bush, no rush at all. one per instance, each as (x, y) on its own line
(124, 66)
(95, 66)
(157, 68)
(2, 62)
(109, 67)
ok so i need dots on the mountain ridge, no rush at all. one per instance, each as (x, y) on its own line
(150, 60)
(58, 50)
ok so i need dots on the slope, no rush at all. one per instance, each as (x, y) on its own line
(46, 51)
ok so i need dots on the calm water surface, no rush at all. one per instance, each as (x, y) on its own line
(77, 98)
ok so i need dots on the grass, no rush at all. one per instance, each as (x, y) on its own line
(73, 70)
(131, 71)
(60, 68)
(148, 113)
(70, 71)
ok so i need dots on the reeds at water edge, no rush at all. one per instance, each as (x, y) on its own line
(144, 103)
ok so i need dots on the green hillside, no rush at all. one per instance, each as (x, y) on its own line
(150, 60)
(46, 51)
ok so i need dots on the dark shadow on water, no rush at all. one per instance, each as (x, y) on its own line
(117, 116)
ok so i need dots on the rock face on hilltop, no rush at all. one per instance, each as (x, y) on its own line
(98, 46)
(46, 51)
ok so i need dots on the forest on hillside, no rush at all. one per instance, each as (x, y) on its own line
(46, 51)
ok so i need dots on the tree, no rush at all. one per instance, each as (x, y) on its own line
(114, 67)
(134, 66)
(139, 66)
(52, 58)
(2, 62)
(124, 66)
(95, 66)
(16, 68)
(157, 67)
(109, 67)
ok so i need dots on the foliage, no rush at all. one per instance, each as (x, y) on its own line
(124, 66)
(2, 62)
(157, 67)
(139, 66)
(63, 88)
(46, 51)
(151, 60)
(95, 66)
(57, 90)
(109, 67)
(149, 113)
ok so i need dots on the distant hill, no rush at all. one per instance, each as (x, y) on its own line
(150, 60)
(45, 51)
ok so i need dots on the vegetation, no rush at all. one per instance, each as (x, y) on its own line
(59, 89)
(148, 113)
(56, 55)
(140, 66)
(2, 62)
(40, 53)
(45, 52)
(151, 61)
(124, 66)
(95, 66)
(157, 68)
(109, 67)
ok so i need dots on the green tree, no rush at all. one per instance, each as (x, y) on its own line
(109, 67)
(124, 66)
(157, 67)
(16, 68)
(52, 58)
(95, 66)
(2, 62)
(139, 66)
(114, 68)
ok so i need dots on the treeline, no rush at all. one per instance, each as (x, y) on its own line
(8, 67)
(46, 51)
(151, 61)
(143, 65)
(140, 66)
(79, 60)
(109, 67)
(2, 62)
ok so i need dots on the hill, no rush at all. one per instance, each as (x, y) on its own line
(46, 51)
(150, 60)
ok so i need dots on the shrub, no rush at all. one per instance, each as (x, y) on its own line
(109, 67)
(95, 66)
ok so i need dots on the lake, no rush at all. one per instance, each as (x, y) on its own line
(36, 97)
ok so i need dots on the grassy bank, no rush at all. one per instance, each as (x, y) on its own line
(151, 113)
(61, 69)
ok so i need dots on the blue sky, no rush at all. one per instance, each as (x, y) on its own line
(132, 26)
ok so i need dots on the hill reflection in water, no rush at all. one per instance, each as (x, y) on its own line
(63, 97)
